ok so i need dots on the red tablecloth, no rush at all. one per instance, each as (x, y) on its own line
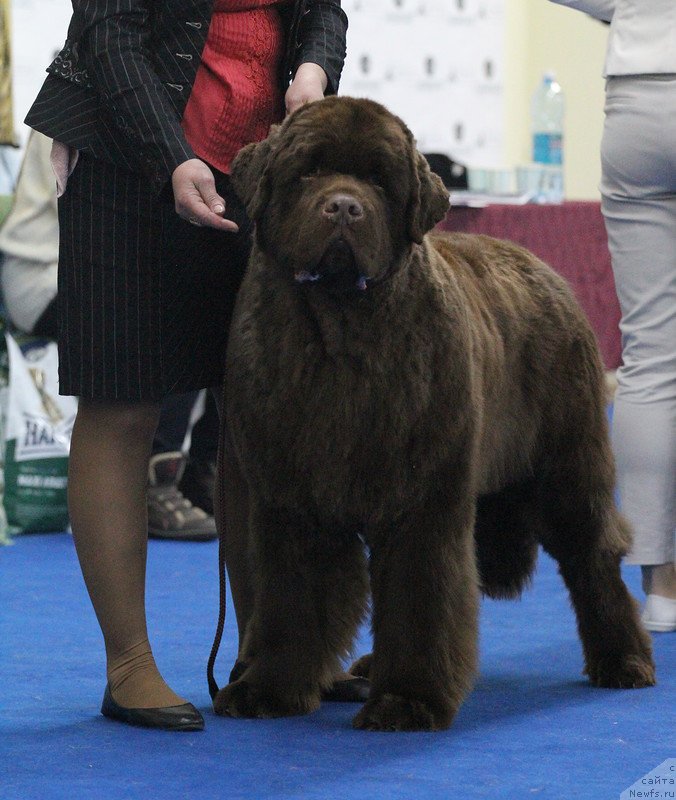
(571, 238)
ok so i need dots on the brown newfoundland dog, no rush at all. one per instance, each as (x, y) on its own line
(412, 415)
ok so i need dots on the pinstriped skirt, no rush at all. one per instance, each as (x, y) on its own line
(145, 299)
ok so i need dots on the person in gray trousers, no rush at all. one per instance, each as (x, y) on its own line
(638, 189)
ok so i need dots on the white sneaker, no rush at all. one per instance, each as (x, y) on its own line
(659, 614)
(170, 514)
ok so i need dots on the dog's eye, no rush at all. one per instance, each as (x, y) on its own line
(376, 180)
(314, 172)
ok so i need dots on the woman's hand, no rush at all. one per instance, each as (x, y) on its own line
(196, 198)
(309, 84)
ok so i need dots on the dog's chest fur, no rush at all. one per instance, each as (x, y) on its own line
(357, 411)
(334, 405)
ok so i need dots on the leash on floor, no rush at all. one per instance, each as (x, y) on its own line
(213, 686)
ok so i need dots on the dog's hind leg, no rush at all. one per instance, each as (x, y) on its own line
(506, 539)
(586, 534)
(425, 607)
(311, 595)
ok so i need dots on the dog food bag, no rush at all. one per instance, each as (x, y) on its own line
(37, 439)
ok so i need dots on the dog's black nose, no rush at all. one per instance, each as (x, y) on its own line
(343, 209)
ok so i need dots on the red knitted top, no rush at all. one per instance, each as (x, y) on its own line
(236, 96)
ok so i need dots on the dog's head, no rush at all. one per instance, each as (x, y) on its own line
(339, 192)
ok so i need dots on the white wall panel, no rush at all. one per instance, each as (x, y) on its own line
(439, 64)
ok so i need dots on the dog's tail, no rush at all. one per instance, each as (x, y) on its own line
(506, 538)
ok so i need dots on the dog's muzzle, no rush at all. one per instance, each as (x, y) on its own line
(337, 269)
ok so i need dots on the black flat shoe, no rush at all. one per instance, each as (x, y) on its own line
(172, 718)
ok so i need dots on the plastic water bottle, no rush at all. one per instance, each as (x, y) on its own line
(547, 108)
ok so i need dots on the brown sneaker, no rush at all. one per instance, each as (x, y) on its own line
(170, 514)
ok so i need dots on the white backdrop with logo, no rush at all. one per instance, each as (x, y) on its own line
(436, 63)
(38, 31)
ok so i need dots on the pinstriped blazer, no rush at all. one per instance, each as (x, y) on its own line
(119, 86)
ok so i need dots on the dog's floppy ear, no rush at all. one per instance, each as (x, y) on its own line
(250, 175)
(429, 198)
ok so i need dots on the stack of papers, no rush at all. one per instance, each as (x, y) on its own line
(483, 199)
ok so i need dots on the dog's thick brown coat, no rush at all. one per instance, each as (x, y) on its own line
(450, 415)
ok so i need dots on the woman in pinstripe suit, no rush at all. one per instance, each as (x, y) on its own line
(147, 103)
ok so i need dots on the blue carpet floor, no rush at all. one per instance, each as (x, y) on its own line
(532, 727)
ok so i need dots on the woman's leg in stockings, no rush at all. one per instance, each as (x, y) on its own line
(108, 473)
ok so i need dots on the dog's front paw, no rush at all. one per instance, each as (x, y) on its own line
(245, 699)
(391, 712)
(622, 672)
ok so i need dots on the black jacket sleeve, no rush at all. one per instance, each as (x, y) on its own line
(115, 48)
(321, 39)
